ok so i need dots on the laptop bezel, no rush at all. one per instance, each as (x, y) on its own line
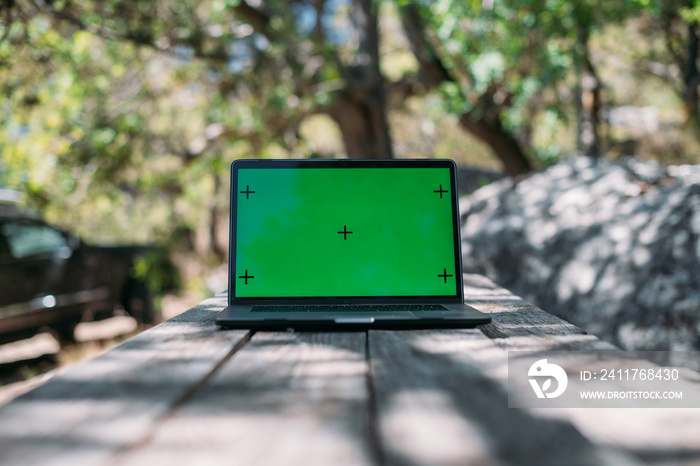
(458, 297)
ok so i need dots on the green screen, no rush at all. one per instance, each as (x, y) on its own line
(345, 232)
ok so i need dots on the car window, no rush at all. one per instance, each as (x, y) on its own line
(30, 239)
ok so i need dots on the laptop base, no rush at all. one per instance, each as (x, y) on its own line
(458, 316)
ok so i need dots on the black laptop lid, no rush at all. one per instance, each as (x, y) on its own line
(344, 231)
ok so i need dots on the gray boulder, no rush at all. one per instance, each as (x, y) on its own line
(613, 247)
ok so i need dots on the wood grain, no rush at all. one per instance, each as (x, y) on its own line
(103, 406)
(284, 398)
(519, 326)
(440, 400)
(187, 393)
(663, 436)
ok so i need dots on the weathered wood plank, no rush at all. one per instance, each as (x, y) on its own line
(284, 398)
(441, 395)
(110, 403)
(439, 400)
(518, 325)
(187, 393)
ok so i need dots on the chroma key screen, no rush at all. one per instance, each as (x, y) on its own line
(325, 231)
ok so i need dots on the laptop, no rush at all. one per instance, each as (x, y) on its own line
(341, 244)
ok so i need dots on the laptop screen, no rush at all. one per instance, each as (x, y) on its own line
(344, 229)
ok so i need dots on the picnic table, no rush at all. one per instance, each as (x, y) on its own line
(185, 392)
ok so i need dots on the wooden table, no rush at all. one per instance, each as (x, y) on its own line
(186, 393)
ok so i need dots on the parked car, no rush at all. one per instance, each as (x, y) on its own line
(50, 279)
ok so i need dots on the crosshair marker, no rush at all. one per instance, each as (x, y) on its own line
(441, 191)
(246, 276)
(345, 232)
(248, 192)
(444, 275)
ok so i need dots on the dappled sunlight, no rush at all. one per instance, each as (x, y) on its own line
(269, 399)
(249, 437)
(105, 329)
(486, 359)
(120, 122)
(42, 343)
(464, 374)
(610, 247)
(410, 415)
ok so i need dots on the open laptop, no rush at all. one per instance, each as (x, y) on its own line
(334, 244)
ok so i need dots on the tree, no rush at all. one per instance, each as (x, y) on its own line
(360, 108)
(141, 100)
(675, 61)
(497, 60)
(504, 63)
(137, 106)
(301, 57)
(492, 61)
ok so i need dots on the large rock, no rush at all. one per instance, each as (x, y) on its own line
(613, 247)
(469, 179)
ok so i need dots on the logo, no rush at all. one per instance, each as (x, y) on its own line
(542, 369)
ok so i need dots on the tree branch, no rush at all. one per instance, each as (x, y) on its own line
(432, 73)
(258, 19)
(137, 37)
(431, 70)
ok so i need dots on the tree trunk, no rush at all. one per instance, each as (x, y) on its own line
(692, 76)
(589, 103)
(363, 125)
(503, 143)
(432, 73)
(215, 220)
(360, 108)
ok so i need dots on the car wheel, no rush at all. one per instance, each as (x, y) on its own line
(138, 302)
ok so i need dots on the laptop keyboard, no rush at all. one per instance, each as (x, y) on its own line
(352, 308)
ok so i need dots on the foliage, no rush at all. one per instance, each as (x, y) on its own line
(513, 61)
(120, 117)
(156, 270)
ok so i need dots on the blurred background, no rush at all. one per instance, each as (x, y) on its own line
(120, 118)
